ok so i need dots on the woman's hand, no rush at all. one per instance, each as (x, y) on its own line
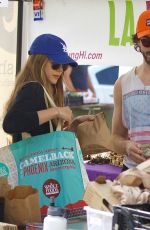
(62, 113)
(77, 121)
(65, 114)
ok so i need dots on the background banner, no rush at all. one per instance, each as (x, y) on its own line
(96, 32)
(3, 3)
(8, 40)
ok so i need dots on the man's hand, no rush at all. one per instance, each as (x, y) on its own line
(134, 152)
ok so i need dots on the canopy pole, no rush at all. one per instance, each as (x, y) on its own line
(19, 36)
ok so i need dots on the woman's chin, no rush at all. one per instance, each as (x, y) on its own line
(54, 82)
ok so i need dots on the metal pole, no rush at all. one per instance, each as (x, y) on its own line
(19, 35)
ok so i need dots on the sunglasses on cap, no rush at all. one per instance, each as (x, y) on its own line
(56, 66)
(145, 41)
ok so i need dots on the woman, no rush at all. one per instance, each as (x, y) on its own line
(28, 109)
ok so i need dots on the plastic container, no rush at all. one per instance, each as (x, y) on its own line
(55, 223)
(55, 219)
(98, 220)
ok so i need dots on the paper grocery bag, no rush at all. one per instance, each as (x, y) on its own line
(4, 186)
(94, 136)
(22, 205)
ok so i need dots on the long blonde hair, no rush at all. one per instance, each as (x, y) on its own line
(34, 71)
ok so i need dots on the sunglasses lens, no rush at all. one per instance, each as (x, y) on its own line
(57, 66)
(65, 67)
(146, 42)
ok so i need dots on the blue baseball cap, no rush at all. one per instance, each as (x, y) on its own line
(53, 47)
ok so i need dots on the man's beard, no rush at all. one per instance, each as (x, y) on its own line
(146, 57)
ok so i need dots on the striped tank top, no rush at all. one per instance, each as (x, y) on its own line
(136, 110)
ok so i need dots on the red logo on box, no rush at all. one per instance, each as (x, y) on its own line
(51, 188)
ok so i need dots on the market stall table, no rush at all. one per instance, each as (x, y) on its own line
(108, 170)
(77, 224)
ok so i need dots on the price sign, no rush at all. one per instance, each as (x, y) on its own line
(38, 10)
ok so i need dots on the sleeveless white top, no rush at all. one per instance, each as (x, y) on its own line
(136, 110)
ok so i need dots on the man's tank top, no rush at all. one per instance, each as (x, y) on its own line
(136, 110)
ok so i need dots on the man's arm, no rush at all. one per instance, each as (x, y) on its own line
(91, 87)
(68, 83)
(119, 138)
(119, 132)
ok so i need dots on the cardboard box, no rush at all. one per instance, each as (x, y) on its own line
(95, 194)
(5, 226)
(144, 166)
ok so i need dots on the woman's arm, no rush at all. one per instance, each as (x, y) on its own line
(22, 116)
(29, 111)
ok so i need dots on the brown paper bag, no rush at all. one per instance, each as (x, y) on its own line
(22, 205)
(94, 135)
(4, 186)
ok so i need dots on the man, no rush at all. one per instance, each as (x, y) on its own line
(131, 117)
(78, 80)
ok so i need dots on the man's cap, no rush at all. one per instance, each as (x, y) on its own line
(53, 47)
(143, 24)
